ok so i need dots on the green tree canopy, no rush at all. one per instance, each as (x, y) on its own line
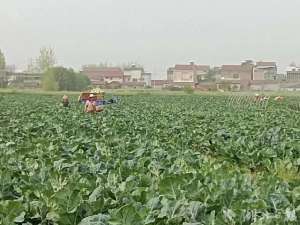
(63, 79)
(49, 83)
(46, 59)
(2, 60)
(32, 66)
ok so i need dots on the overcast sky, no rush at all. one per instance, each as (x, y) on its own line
(155, 33)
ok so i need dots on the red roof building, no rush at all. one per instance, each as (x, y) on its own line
(99, 75)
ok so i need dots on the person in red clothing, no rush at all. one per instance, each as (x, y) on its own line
(90, 105)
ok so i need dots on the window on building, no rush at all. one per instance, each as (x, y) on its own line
(236, 76)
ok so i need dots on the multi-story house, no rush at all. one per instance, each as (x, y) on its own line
(186, 74)
(134, 74)
(238, 77)
(265, 71)
(293, 73)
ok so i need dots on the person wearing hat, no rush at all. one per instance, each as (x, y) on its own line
(257, 96)
(90, 105)
(278, 98)
(65, 101)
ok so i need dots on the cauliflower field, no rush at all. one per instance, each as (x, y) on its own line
(157, 160)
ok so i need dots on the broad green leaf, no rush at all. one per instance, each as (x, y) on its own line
(99, 219)
(126, 215)
(11, 211)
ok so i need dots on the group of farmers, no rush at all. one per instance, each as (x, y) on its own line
(90, 105)
(259, 97)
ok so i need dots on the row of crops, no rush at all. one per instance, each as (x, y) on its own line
(156, 160)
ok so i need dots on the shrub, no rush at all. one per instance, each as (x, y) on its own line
(173, 88)
(62, 79)
(188, 89)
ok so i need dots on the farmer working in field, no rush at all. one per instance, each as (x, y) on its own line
(278, 98)
(261, 98)
(65, 101)
(90, 105)
(257, 97)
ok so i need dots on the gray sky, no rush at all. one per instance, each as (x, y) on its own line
(155, 33)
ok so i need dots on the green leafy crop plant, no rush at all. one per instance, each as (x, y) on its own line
(156, 160)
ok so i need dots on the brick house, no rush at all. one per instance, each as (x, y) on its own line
(265, 71)
(186, 74)
(103, 76)
(238, 77)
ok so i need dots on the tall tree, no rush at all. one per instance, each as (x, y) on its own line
(32, 67)
(49, 83)
(46, 59)
(63, 79)
(2, 60)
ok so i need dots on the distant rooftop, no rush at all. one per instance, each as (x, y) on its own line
(134, 67)
(191, 66)
(266, 64)
(242, 68)
(105, 71)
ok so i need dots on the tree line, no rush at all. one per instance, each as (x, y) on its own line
(2, 61)
(53, 78)
(63, 79)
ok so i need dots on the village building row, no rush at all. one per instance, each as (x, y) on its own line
(20, 79)
(245, 76)
(106, 77)
(132, 76)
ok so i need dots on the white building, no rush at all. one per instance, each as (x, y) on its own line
(187, 74)
(133, 74)
(147, 79)
(293, 73)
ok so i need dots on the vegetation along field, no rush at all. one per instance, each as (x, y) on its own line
(154, 160)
